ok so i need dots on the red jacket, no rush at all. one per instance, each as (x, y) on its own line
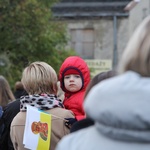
(74, 101)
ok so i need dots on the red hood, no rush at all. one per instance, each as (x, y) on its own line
(79, 64)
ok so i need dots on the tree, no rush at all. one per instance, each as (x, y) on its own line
(29, 33)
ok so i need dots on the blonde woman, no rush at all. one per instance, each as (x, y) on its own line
(120, 106)
(6, 95)
(40, 81)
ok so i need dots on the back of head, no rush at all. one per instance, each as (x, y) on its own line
(19, 90)
(19, 86)
(6, 94)
(98, 78)
(136, 56)
(38, 78)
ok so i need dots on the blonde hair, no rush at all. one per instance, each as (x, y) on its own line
(38, 78)
(6, 95)
(136, 56)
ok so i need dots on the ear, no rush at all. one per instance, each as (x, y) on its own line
(55, 89)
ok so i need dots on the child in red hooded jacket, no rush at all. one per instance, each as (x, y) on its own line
(74, 76)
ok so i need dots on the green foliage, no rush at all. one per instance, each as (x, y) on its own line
(28, 33)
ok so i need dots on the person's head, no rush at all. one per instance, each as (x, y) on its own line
(6, 94)
(74, 74)
(19, 90)
(38, 78)
(98, 78)
(19, 86)
(72, 80)
(136, 56)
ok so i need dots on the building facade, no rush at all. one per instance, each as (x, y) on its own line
(100, 29)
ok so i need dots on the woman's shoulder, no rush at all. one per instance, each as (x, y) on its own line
(61, 113)
(19, 119)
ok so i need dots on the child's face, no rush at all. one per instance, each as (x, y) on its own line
(73, 82)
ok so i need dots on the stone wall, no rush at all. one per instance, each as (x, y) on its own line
(104, 35)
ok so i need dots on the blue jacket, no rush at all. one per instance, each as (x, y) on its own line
(1, 111)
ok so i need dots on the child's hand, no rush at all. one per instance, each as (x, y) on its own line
(70, 121)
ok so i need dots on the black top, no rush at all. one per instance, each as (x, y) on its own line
(10, 111)
(84, 123)
(18, 93)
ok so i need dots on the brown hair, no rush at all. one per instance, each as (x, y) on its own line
(6, 95)
(19, 86)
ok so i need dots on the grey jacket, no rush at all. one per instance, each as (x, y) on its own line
(120, 107)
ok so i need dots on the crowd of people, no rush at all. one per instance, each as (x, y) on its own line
(108, 112)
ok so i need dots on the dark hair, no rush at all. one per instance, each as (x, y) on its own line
(6, 94)
(98, 78)
(19, 86)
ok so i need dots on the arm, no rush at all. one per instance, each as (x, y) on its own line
(68, 114)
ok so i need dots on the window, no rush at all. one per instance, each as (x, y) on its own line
(82, 41)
